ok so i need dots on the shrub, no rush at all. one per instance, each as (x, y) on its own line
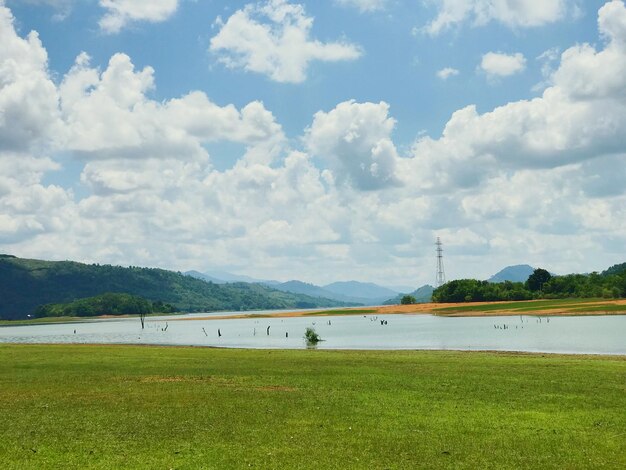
(311, 336)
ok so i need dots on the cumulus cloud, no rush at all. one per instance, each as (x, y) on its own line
(355, 138)
(29, 125)
(28, 98)
(581, 116)
(110, 115)
(447, 72)
(364, 5)
(512, 13)
(537, 181)
(273, 39)
(497, 64)
(121, 13)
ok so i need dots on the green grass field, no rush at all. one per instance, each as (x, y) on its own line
(573, 305)
(155, 407)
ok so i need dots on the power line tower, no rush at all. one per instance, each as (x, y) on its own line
(441, 274)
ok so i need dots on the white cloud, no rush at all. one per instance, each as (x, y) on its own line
(580, 117)
(121, 13)
(110, 116)
(447, 72)
(513, 13)
(273, 39)
(497, 64)
(29, 124)
(538, 181)
(355, 138)
(364, 5)
(28, 98)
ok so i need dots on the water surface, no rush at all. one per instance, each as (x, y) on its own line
(580, 334)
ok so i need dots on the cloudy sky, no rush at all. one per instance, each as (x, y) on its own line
(315, 140)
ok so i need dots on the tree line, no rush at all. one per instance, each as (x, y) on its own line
(539, 285)
(105, 304)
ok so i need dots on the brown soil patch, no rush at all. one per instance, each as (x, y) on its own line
(430, 308)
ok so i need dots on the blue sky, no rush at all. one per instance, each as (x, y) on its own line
(315, 140)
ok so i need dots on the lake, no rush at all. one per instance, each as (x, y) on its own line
(579, 335)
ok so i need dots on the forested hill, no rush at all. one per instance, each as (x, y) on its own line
(539, 285)
(26, 284)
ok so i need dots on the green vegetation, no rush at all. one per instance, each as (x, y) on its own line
(26, 284)
(105, 304)
(537, 280)
(571, 305)
(345, 311)
(408, 300)
(82, 407)
(311, 336)
(42, 321)
(540, 285)
(422, 295)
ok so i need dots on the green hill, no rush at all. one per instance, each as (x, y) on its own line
(422, 295)
(615, 270)
(26, 284)
(104, 304)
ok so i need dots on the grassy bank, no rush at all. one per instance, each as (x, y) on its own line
(148, 407)
(542, 307)
(42, 321)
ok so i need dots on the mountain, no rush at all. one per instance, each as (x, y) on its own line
(204, 277)
(363, 290)
(299, 287)
(422, 295)
(352, 292)
(26, 284)
(223, 277)
(518, 273)
(230, 277)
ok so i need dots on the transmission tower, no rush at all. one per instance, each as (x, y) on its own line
(441, 274)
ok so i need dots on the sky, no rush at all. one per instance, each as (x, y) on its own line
(320, 141)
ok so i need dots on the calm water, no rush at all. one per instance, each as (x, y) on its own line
(585, 335)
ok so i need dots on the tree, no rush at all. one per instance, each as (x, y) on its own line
(537, 279)
(408, 300)
(311, 337)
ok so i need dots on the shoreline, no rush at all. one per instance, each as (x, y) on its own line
(571, 308)
(443, 310)
(498, 352)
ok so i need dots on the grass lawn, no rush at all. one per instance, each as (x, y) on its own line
(156, 407)
(573, 305)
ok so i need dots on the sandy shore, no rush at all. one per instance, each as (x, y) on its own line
(596, 307)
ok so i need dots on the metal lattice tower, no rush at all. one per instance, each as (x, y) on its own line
(441, 274)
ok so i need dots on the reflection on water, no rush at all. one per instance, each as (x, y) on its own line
(585, 335)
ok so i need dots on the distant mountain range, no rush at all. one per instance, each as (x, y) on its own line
(517, 273)
(26, 284)
(223, 277)
(364, 293)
